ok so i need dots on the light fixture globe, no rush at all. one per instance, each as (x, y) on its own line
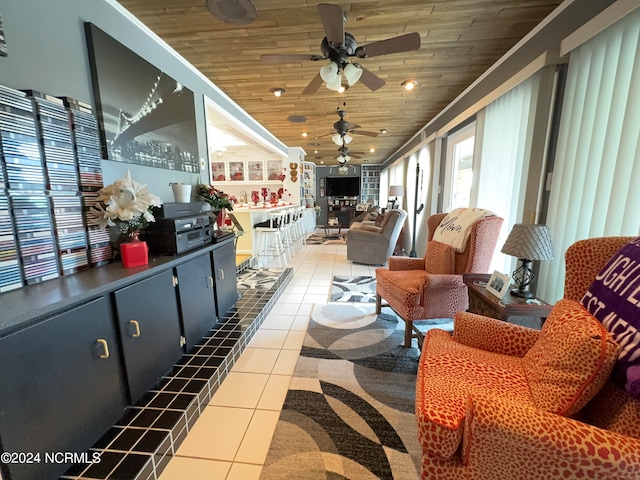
(335, 84)
(337, 139)
(347, 138)
(343, 169)
(352, 73)
(329, 72)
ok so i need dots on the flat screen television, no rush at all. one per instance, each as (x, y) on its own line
(343, 186)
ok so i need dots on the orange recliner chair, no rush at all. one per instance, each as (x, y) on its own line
(497, 400)
(432, 286)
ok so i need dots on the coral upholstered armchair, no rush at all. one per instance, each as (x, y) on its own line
(500, 401)
(432, 287)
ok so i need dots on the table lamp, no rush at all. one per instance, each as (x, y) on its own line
(527, 243)
(396, 191)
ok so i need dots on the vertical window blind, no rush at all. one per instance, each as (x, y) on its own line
(504, 161)
(596, 180)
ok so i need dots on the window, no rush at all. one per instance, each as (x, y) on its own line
(459, 168)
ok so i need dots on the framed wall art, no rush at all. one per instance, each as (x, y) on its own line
(3, 43)
(146, 117)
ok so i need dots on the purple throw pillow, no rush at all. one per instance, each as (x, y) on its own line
(614, 299)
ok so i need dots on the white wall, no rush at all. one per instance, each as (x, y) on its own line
(47, 52)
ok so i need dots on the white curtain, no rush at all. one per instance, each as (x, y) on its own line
(596, 180)
(504, 160)
(384, 188)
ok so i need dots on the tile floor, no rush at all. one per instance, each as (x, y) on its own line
(231, 438)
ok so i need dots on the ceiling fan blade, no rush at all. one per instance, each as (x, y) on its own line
(363, 132)
(288, 58)
(370, 80)
(332, 18)
(313, 86)
(401, 43)
(352, 126)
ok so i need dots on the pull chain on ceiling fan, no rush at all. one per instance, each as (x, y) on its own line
(338, 46)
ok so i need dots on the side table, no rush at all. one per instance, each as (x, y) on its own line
(530, 313)
(333, 227)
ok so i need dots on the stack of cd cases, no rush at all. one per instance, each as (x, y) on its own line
(10, 271)
(26, 184)
(70, 233)
(54, 129)
(55, 139)
(21, 152)
(86, 141)
(35, 236)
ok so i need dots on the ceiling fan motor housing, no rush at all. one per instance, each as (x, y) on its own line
(339, 53)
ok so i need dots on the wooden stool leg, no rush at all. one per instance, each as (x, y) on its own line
(408, 333)
(378, 304)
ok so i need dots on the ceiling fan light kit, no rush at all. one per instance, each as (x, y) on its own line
(338, 46)
(339, 139)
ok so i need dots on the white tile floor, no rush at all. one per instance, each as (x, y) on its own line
(231, 438)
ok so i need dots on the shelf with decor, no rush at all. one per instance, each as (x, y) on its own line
(370, 188)
(245, 171)
(309, 184)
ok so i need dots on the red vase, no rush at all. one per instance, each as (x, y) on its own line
(135, 252)
(221, 218)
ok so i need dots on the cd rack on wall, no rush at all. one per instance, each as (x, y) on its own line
(49, 167)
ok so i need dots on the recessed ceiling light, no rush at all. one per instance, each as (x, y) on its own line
(304, 134)
(409, 84)
(277, 91)
(371, 150)
(383, 130)
(321, 161)
(315, 151)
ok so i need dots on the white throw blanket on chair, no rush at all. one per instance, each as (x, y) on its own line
(454, 229)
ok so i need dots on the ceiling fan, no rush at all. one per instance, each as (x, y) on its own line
(343, 129)
(338, 46)
(344, 155)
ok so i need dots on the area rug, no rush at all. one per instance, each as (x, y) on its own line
(258, 278)
(349, 411)
(320, 239)
(360, 289)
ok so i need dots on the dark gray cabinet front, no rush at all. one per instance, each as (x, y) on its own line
(197, 300)
(224, 268)
(149, 330)
(61, 387)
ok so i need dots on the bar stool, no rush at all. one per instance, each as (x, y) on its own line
(270, 240)
(299, 232)
(288, 232)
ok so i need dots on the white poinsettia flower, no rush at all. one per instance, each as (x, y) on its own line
(148, 217)
(126, 203)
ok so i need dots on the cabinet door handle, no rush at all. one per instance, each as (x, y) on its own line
(137, 325)
(105, 346)
(221, 273)
(209, 281)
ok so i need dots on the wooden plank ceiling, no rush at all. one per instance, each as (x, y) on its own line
(460, 39)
